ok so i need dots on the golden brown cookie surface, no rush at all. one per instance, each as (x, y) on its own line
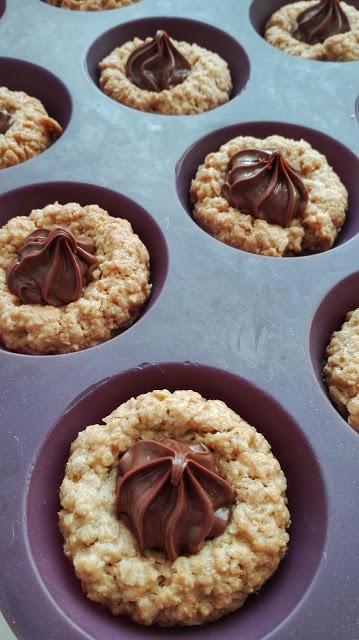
(194, 588)
(31, 131)
(208, 85)
(341, 369)
(342, 47)
(110, 301)
(315, 231)
(90, 5)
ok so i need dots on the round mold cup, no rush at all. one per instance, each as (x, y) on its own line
(329, 317)
(2, 7)
(192, 31)
(261, 11)
(23, 200)
(20, 75)
(306, 497)
(344, 162)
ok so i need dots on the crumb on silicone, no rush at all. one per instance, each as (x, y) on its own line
(208, 85)
(194, 588)
(316, 231)
(111, 301)
(32, 130)
(343, 47)
(341, 369)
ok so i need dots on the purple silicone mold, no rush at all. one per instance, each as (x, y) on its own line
(343, 161)
(2, 7)
(21, 75)
(258, 326)
(306, 498)
(36, 196)
(329, 317)
(203, 34)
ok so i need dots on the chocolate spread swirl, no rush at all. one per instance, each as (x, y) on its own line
(157, 65)
(51, 267)
(171, 496)
(5, 120)
(319, 22)
(262, 183)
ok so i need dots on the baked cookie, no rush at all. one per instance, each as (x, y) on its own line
(90, 5)
(275, 196)
(161, 75)
(69, 277)
(341, 369)
(145, 584)
(329, 30)
(25, 127)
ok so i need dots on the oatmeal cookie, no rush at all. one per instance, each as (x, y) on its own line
(208, 84)
(342, 47)
(112, 300)
(90, 5)
(146, 586)
(29, 130)
(315, 231)
(341, 369)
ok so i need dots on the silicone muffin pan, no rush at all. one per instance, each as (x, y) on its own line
(247, 329)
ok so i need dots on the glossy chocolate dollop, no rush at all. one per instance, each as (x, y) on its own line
(261, 182)
(171, 496)
(157, 65)
(51, 267)
(319, 22)
(5, 120)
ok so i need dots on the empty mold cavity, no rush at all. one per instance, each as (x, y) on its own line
(22, 201)
(329, 317)
(344, 162)
(261, 613)
(191, 31)
(19, 75)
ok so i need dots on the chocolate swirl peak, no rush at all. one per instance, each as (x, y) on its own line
(171, 495)
(5, 120)
(320, 21)
(51, 267)
(261, 182)
(157, 65)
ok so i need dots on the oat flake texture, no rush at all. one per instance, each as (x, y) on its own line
(316, 231)
(111, 301)
(194, 588)
(341, 369)
(342, 47)
(32, 130)
(90, 5)
(208, 85)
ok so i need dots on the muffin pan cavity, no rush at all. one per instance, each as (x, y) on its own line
(23, 200)
(306, 500)
(20, 75)
(260, 12)
(341, 159)
(191, 31)
(329, 317)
